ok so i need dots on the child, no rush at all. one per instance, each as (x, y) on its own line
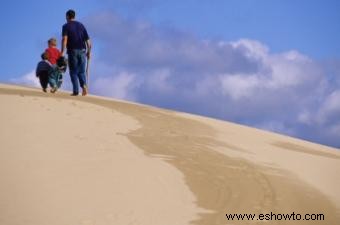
(43, 71)
(58, 65)
(52, 51)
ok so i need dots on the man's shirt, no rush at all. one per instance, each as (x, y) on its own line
(76, 35)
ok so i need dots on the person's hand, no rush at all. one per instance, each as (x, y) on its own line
(88, 55)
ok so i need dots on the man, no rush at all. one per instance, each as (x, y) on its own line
(77, 42)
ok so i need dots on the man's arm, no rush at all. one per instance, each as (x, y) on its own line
(88, 46)
(63, 45)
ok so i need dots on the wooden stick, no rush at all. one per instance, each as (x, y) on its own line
(88, 73)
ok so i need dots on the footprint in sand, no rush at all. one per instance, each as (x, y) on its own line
(87, 222)
(79, 137)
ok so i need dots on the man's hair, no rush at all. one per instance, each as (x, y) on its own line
(71, 14)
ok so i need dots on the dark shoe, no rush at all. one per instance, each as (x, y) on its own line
(44, 90)
(74, 94)
(84, 93)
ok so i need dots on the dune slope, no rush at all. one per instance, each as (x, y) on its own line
(90, 160)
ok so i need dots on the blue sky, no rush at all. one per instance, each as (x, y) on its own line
(271, 64)
(309, 26)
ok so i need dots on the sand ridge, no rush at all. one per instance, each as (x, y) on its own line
(222, 182)
(70, 162)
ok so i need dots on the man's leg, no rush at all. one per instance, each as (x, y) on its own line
(73, 66)
(81, 71)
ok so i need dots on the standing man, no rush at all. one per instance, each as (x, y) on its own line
(78, 45)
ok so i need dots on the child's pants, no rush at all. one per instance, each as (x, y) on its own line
(55, 78)
(44, 80)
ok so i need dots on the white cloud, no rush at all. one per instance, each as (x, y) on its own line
(330, 110)
(241, 81)
(291, 69)
(240, 86)
(28, 79)
(120, 86)
(158, 81)
(305, 117)
(252, 48)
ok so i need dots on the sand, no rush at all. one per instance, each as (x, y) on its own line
(93, 161)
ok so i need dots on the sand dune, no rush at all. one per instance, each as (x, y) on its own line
(94, 161)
